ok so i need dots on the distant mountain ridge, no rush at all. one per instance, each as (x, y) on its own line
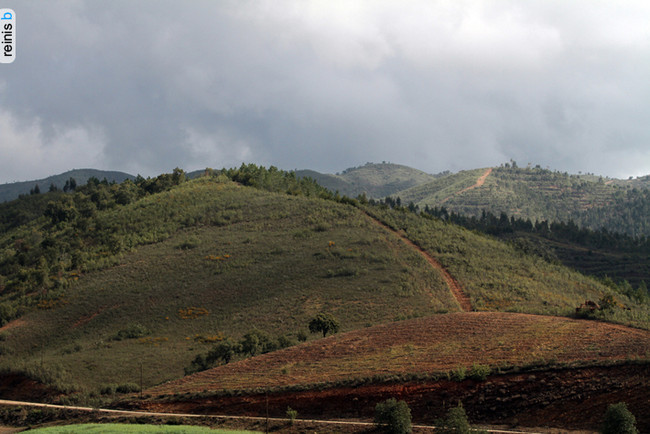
(375, 180)
(11, 191)
(530, 193)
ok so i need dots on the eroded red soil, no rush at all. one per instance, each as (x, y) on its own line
(563, 398)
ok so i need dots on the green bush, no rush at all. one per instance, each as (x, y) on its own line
(133, 331)
(459, 374)
(393, 416)
(619, 420)
(479, 372)
(456, 421)
(188, 244)
(107, 389)
(127, 388)
(291, 415)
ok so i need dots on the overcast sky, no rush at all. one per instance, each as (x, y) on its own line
(145, 86)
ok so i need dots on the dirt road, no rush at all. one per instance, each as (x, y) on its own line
(479, 183)
(456, 289)
(188, 415)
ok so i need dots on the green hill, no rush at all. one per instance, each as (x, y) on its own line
(11, 191)
(540, 194)
(183, 268)
(112, 279)
(373, 180)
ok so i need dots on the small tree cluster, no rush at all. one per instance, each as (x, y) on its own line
(251, 344)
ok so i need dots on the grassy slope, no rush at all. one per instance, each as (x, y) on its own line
(429, 346)
(497, 277)
(436, 191)
(280, 272)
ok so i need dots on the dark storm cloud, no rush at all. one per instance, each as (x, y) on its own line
(146, 86)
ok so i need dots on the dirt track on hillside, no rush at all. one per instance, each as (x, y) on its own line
(456, 289)
(479, 183)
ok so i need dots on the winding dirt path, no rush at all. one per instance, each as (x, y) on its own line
(479, 183)
(456, 289)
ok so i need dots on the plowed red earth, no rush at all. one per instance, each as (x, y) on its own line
(562, 399)
(428, 345)
(566, 398)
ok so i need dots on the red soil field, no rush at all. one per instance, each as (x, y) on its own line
(559, 372)
(431, 345)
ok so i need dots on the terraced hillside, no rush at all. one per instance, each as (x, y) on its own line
(540, 194)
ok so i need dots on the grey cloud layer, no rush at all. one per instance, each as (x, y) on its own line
(146, 86)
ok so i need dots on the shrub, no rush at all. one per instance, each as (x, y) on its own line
(607, 302)
(188, 244)
(393, 416)
(291, 415)
(131, 332)
(479, 372)
(107, 389)
(127, 388)
(619, 420)
(459, 374)
(456, 421)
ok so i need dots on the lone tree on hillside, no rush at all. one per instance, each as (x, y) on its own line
(324, 322)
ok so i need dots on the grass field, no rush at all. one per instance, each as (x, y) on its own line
(114, 428)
